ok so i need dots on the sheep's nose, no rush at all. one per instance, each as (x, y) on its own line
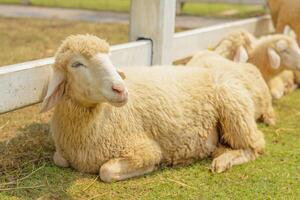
(118, 88)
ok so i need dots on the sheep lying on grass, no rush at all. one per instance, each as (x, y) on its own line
(236, 46)
(248, 74)
(285, 13)
(172, 115)
(273, 54)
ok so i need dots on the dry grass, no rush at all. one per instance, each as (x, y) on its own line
(24, 39)
(28, 39)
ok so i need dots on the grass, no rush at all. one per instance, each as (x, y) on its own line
(40, 38)
(25, 147)
(27, 39)
(203, 9)
(222, 10)
(27, 171)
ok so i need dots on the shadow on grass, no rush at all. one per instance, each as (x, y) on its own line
(32, 145)
(27, 170)
(23, 159)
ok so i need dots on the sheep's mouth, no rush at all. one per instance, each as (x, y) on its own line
(118, 101)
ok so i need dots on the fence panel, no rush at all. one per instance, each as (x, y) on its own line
(26, 83)
(187, 43)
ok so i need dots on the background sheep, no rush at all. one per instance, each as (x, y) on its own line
(247, 73)
(171, 116)
(273, 54)
(286, 14)
(238, 45)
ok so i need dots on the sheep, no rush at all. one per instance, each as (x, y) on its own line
(249, 75)
(239, 44)
(285, 12)
(272, 55)
(236, 45)
(160, 115)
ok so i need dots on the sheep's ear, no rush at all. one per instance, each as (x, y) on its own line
(286, 30)
(55, 90)
(274, 58)
(241, 55)
(121, 73)
(289, 32)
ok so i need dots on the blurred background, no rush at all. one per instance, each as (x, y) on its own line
(33, 29)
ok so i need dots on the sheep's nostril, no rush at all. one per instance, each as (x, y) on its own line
(118, 88)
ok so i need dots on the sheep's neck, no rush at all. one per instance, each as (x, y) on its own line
(74, 114)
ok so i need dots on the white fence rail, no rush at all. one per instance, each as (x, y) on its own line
(25, 84)
(188, 42)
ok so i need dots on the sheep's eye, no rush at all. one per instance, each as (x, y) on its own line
(77, 64)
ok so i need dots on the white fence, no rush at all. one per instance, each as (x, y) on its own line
(24, 84)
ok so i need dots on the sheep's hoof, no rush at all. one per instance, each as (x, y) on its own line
(110, 171)
(220, 164)
(59, 160)
(269, 121)
(277, 94)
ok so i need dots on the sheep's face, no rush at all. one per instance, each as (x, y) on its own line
(95, 80)
(289, 53)
(285, 54)
(83, 71)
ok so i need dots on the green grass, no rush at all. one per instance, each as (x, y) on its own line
(203, 9)
(26, 148)
(112, 5)
(222, 10)
(275, 175)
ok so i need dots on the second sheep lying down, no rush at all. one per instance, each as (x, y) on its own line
(248, 75)
(242, 46)
(172, 116)
(236, 46)
(272, 55)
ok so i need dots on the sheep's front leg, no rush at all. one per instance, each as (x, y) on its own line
(239, 132)
(144, 159)
(231, 158)
(59, 160)
(277, 88)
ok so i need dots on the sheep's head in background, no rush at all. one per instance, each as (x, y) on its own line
(284, 53)
(276, 53)
(83, 71)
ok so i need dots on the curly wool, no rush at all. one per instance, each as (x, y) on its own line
(248, 74)
(228, 46)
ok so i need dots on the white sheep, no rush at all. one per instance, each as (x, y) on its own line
(238, 45)
(272, 55)
(248, 74)
(286, 14)
(172, 115)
